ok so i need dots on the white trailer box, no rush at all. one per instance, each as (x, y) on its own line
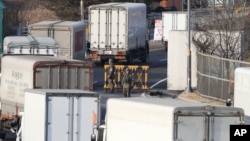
(59, 115)
(69, 34)
(118, 31)
(20, 72)
(242, 89)
(173, 21)
(30, 45)
(167, 119)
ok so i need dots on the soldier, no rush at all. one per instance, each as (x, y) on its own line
(111, 75)
(127, 83)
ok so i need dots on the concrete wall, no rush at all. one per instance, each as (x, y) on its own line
(177, 61)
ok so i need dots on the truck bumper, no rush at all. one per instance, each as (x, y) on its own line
(98, 58)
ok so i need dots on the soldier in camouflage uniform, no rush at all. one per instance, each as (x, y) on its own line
(127, 83)
(111, 75)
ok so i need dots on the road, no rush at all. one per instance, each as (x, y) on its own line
(157, 70)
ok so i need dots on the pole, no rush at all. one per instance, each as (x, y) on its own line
(82, 10)
(189, 87)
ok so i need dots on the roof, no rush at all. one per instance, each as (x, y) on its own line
(2, 6)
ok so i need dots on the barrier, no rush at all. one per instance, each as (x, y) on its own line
(139, 75)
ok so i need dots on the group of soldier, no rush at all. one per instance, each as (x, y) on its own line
(126, 79)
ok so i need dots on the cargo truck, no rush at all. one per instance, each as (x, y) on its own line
(70, 35)
(166, 119)
(118, 31)
(20, 72)
(240, 97)
(60, 114)
(30, 45)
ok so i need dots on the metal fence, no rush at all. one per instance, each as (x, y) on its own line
(216, 76)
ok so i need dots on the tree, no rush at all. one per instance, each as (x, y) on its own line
(218, 30)
(70, 9)
(221, 30)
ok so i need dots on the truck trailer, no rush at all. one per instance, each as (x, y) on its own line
(59, 114)
(30, 45)
(173, 21)
(20, 72)
(166, 119)
(241, 93)
(70, 35)
(118, 31)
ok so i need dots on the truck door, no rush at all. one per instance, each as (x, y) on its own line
(107, 28)
(206, 124)
(77, 111)
(117, 28)
(219, 127)
(98, 28)
(190, 128)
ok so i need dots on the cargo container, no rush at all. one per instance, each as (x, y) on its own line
(20, 72)
(118, 31)
(30, 45)
(59, 115)
(70, 35)
(166, 119)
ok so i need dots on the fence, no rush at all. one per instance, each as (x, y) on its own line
(216, 76)
(138, 73)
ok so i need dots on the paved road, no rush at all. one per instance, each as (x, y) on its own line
(157, 71)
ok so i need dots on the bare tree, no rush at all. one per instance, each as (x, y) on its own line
(219, 29)
(222, 30)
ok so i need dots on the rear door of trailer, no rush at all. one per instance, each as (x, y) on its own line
(200, 124)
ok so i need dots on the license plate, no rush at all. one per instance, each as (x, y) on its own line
(108, 52)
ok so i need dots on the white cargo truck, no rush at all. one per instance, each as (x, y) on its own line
(30, 45)
(173, 21)
(118, 31)
(20, 72)
(70, 35)
(166, 119)
(59, 114)
(241, 93)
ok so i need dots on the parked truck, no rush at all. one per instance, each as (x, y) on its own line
(118, 31)
(166, 119)
(30, 45)
(57, 115)
(173, 21)
(20, 72)
(60, 114)
(70, 35)
(240, 97)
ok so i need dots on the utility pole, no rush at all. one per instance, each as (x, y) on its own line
(189, 87)
(82, 10)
